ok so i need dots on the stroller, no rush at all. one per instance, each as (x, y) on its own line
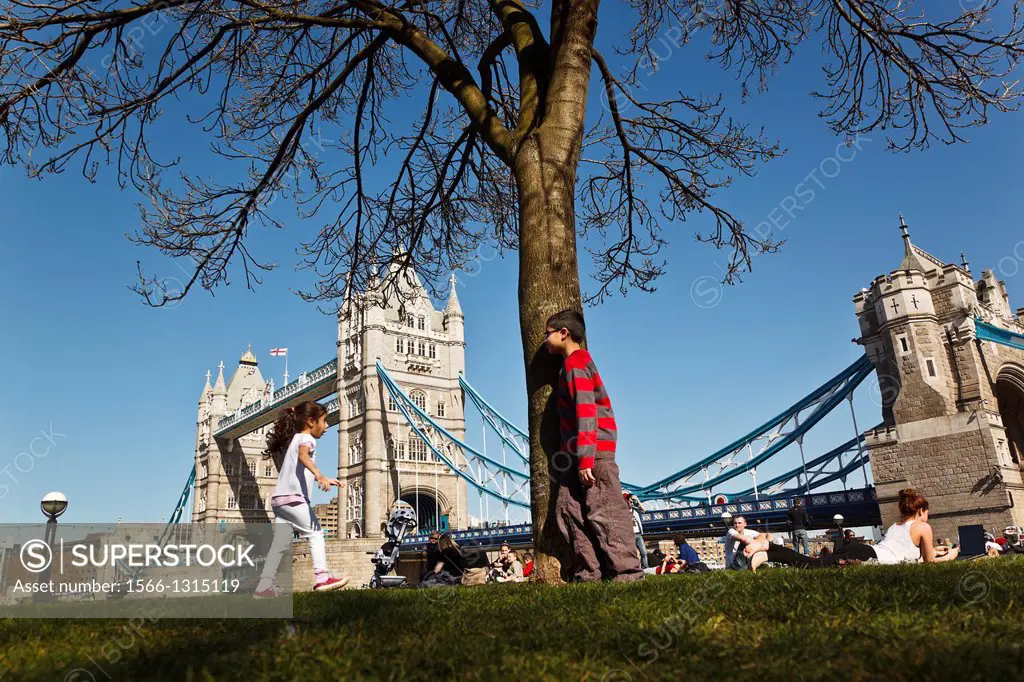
(401, 522)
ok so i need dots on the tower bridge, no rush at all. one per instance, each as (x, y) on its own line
(947, 350)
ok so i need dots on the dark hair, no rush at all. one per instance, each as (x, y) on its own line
(570, 320)
(911, 502)
(679, 540)
(445, 543)
(528, 554)
(291, 421)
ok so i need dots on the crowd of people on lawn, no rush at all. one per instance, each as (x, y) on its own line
(449, 564)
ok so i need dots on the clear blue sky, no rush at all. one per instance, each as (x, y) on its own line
(120, 381)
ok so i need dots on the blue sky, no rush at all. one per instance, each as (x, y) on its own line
(691, 367)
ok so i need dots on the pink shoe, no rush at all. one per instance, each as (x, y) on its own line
(331, 583)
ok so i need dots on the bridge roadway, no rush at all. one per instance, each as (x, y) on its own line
(859, 507)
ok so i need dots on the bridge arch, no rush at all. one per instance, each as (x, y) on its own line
(1009, 392)
(430, 504)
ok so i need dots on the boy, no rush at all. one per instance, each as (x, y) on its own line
(588, 502)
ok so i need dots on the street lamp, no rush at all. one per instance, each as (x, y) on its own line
(726, 518)
(838, 520)
(53, 505)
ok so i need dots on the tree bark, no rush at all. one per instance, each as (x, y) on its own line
(545, 170)
(548, 282)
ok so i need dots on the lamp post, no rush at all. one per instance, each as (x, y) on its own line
(53, 505)
(838, 520)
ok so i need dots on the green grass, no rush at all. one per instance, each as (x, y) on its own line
(954, 621)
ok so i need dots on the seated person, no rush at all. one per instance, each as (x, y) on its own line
(908, 540)
(433, 554)
(513, 569)
(669, 565)
(736, 541)
(527, 565)
(451, 566)
(1013, 540)
(688, 556)
(498, 570)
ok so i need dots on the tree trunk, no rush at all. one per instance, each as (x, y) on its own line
(549, 281)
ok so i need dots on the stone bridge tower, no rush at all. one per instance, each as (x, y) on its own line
(952, 405)
(234, 480)
(379, 456)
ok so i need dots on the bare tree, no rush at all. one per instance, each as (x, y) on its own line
(478, 112)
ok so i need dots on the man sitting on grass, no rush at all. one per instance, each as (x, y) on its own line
(736, 540)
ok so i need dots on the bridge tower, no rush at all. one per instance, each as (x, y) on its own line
(379, 456)
(233, 480)
(952, 405)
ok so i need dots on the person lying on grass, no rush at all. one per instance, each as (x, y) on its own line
(908, 540)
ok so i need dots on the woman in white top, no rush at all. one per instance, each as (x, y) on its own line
(909, 540)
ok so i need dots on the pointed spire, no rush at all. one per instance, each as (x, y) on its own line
(453, 307)
(220, 387)
(913, 257)
(963, 263)
(206, 389)
(906, 234)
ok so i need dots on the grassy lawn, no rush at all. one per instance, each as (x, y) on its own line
(951, 622)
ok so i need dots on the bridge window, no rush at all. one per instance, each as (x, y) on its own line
(229, 468)
(420, 398)
(410, 321)
(203, 472)
(252, 468)
(930, 364)
(248, 501)
(355, 405)
(422, 349)
(433, 351)
(400, 345)
(392, 405)
(400, 450)
(440, 409)
(417, 449)
(421, 322)
(268, 470)
(232, 503)
(202, 503)
(355, 451)
(354, 508)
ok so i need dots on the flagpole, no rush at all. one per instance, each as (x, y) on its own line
(286, 368)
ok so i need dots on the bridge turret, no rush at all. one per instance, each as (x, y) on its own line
(204, 398)
(992, 293)
(942, 432)
(219, 396)
(455, 325)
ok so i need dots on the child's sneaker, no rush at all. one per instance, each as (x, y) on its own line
(268, 593)
(331, 583)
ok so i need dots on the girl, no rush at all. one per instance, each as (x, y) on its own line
(292, 445)
(907, 540)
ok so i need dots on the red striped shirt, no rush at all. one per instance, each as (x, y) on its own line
(585, 416)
